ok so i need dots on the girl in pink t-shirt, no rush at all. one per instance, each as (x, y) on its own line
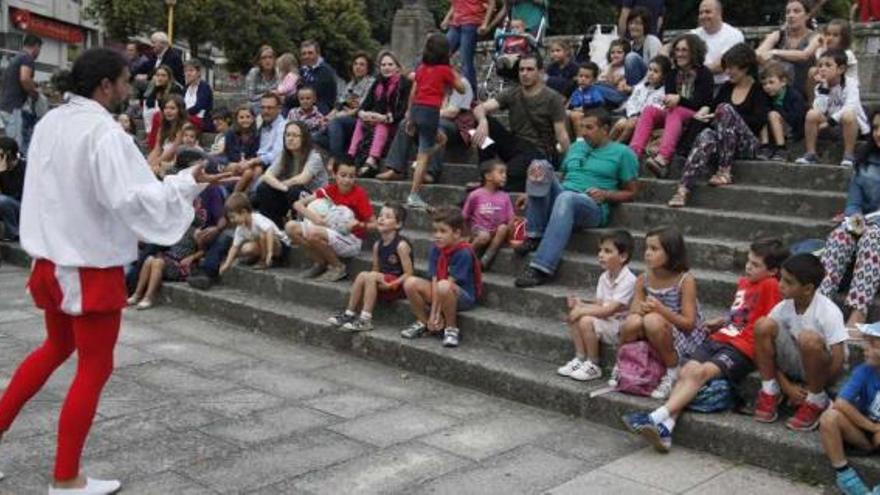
(488, 212)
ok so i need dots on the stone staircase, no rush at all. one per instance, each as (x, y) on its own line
(514, 341)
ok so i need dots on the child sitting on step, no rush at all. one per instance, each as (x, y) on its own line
(728, 352)
(488, 212)
(392, 265)
(598, 322)
(837, 109)
(455, 281)
(854, 418)
(786, 117)
(326, 245)
(256, 239)
(649, 92)
(803, 339)
(665, 310)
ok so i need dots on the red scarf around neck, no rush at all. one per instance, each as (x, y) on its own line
(446, 254)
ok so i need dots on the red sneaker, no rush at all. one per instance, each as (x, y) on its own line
(806, 418)
(765, 408)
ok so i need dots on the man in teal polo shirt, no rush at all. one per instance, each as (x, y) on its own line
(596, 173)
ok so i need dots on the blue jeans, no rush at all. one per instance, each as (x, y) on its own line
(216, 254)
(465, 37)
(635, 68)
(339, 131)
(10, 209)
(553, 217)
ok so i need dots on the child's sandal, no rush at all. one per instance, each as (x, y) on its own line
(656, 167)
(721, 178)
(679, 199)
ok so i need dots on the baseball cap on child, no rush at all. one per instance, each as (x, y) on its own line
(540, 177)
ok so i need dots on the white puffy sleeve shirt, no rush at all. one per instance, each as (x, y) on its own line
(89, 195)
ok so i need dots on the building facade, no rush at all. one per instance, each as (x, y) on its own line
(60, 23)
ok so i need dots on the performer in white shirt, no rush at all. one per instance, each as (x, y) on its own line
(89, 196)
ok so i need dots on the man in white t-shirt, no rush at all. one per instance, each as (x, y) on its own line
(801, 340)
(718, 35)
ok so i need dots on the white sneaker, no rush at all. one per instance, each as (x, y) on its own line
(589, 371)
(615, 377)
(569, 367)
(664, 388)
(93, 487)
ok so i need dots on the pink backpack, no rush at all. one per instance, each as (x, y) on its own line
(640, 368)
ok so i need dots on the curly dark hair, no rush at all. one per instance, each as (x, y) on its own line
(695, 45)
(740, 55)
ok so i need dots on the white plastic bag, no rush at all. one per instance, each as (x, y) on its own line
(600, 44)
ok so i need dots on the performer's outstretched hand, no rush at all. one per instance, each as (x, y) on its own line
(201, 177)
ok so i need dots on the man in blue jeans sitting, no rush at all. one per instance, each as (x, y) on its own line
(597, 172)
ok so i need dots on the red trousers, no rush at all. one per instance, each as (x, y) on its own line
(83, 310)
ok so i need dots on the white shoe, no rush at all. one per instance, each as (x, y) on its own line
(144, 304)
(1, 476)
(132, 300)
(664, 388)
(615, 377)
(93, 487)
(589, 371)
(569, 367)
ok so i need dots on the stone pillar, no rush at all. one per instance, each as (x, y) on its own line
(412, 23)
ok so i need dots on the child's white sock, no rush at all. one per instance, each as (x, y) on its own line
(819, 399)
(659, 415)
(770, 387)
(669, 423)
(349, 312)
(672, 372)
(365, 315)
(582, 358)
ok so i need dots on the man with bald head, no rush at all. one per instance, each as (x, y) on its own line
(167, 55)
(718, 35)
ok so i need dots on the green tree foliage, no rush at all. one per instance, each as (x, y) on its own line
(240, 27)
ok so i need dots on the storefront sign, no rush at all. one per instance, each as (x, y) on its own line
(43, 26)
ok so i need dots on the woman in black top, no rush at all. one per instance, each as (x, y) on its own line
(11, 186)
(741, 109)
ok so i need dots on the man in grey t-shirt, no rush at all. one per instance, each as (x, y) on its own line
(537, 131)
(18, 85)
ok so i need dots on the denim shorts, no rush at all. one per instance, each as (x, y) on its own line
(426, 120)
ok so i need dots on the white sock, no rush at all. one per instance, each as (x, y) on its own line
(582, 358)
(819, 399)
(366, 315)
(349, 312)
(669, 423)
(659, 415)
(770, 387)
(672, 373)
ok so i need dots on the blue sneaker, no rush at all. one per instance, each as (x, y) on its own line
(635, 421)
(849, 482)
(658, 436)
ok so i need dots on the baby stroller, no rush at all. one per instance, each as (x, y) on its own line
(535, 15)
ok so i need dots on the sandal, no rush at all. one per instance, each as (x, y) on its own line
(656, 167)
(679, 199)
(390, 174)
(721, 178)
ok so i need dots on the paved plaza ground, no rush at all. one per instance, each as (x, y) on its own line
(197, 406)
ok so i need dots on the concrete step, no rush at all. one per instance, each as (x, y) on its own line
(750, 198)
(734, 225)
(527, 380)
(576, 271)
(812, 204)
(826, 177)
(692, 220)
